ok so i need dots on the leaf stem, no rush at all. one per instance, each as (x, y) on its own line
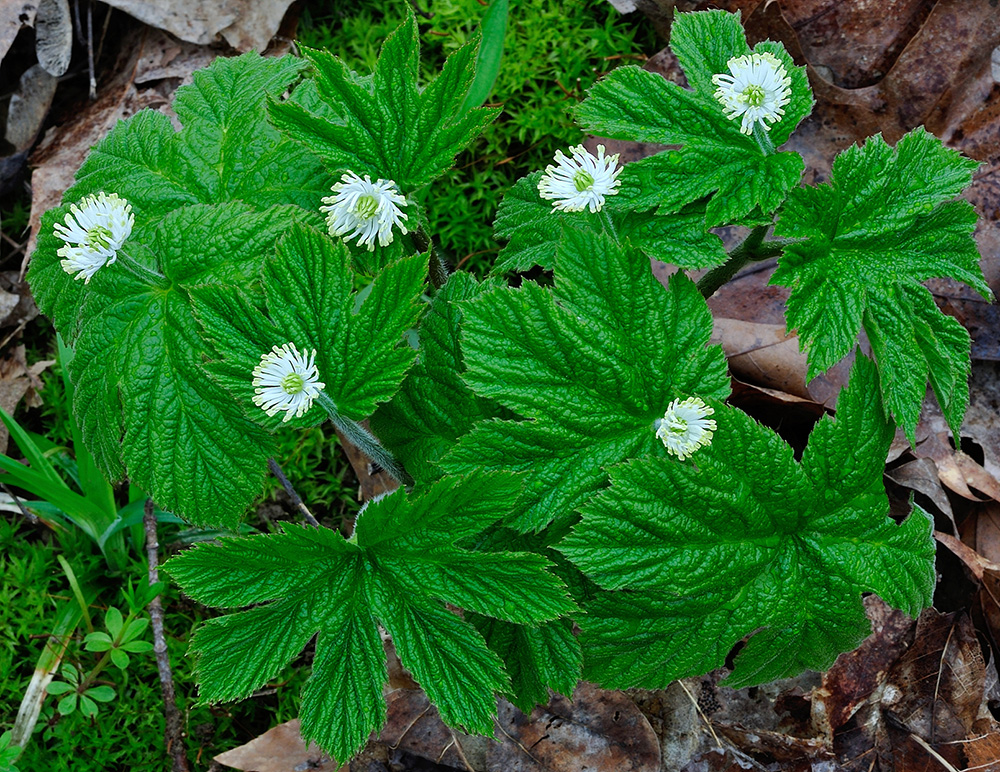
(436, 267)
(141, 272)
(365, 441)
(763, 138)
(609, 225)
(753, 249)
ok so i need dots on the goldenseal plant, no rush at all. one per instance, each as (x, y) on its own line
(573, 481)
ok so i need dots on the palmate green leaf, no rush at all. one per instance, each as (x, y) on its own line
(434, 407)
(745, 183)
(398, 570)
(310, 300)
(886, 221)
(534, 227)
(385, 125)
(742, 540)
(144, 399)
(590, 365)
(226, 151)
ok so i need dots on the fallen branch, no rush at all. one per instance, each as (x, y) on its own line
(173, 733)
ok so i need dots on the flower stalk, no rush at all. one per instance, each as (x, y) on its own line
(364, 440)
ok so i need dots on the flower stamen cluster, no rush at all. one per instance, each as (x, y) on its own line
(94, 231)
(685, 427)
(756, 88)
(286, 380)
(364, 209)
(581, 181)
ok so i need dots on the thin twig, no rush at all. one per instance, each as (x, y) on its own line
(90, 49)
(173, 733)
(31, 518)
(701, 713)
(296, 499)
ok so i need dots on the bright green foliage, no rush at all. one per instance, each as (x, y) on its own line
(209, 203)
(309, 292)
(886, 221)
(591, 364)
(225, 152)
(537, 658)
(398, 570)
(434, 407)
(121, 637)
(8, 753)
(550, 49)
(143, 395)
(534, 227)
(76, 694)
(383, 125)
(745, 180)
(493, 29)
(695, 556)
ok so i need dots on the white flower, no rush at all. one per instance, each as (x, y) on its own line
(582, 181)
(360, 207)
(94, 231)
(286, 380)
(684, 428)
(756, 88)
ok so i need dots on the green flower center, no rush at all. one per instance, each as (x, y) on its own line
(99, 237)
(366, 207)
(582, 181)
(293, 383)
(754, 96)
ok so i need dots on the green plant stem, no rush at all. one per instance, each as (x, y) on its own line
(763, 138)
(141, 272)
(609, 225)
(365, 441)
(436, 267)
(753, 249)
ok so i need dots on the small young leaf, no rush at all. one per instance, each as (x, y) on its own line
(97, 641)
(120, 659)
(67, 704)
(59, 687)
(590, 364)
(398, 571)
(745, 541)
(88, 708)
(113, 621)
(100, 693)
(885, 222)
(135, 628)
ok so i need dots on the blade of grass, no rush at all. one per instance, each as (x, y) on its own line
(494, 30)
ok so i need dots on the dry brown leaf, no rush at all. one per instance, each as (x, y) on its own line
(29, 106)
(17, 382)
(414, 726)
(922, 475)
(601, 731)
(14, 14)
(54, 36)
(245, 24)
(280, 749)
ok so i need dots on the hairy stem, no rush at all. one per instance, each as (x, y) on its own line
(141, 272)
(173, 733)
(366, 443)
(292, 494)
(753, 249)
